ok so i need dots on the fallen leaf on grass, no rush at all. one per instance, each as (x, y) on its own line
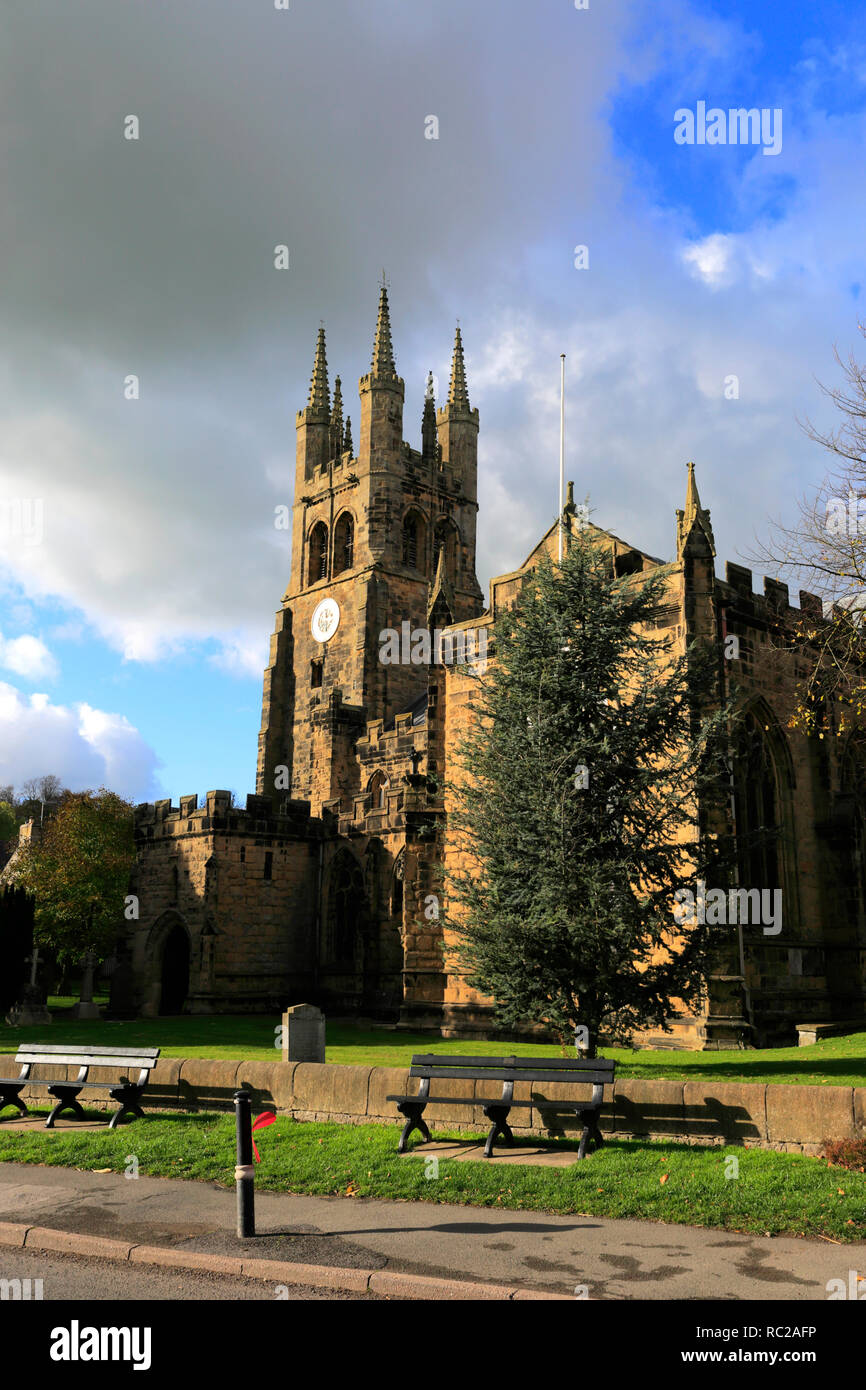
(664, 1177)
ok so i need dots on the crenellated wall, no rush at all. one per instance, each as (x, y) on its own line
(240, 886)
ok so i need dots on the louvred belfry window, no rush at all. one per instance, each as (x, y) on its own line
(410, 542)
(318, 567)
(344, 543)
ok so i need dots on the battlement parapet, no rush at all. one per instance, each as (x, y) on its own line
(262, 815)
(343, 460)
(775, 598)
(369, 818)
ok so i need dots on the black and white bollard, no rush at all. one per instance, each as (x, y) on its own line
(244, 1172)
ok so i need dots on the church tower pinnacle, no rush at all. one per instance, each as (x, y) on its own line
(429, 434)
(337, 421)
(382, 393)
(382, 365)
(693, 522)
(457, 393)
(319, 399)
(313, 423)
(458, 423)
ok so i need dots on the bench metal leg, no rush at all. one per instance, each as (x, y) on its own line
(499, 1115)
(65, 1101)
(591, 1132)
(10, 1096)
(127, 1098)
(414, 1113)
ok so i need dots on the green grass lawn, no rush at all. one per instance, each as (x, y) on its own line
(835, 1061)
(772, 1194)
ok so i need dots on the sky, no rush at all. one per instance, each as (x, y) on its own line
(140, 568)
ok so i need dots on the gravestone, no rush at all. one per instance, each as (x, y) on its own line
(30, 1008)
(303, 1034)
(85, 1008)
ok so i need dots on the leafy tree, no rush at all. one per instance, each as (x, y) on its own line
(79, 872)
(8, 821)
(573, 818)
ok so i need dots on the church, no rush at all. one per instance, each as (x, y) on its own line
(319, 888)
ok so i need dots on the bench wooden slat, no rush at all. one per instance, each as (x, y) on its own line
(88, 1059)
(475, 1100)
(583, 1078)
(515, 1063)
(52, 1052)
(452, 1100)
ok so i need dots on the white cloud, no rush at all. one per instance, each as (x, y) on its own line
(711, 260)
(243, 656)
(83, 746)
(27, 656)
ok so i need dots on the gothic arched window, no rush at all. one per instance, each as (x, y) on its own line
(373, 860)
(344, 543)
(345, 909)
(757, 808)
(853, 839)
(377, 788)
(318, 567)
(413, 539)
(446, 539)
(397, 886)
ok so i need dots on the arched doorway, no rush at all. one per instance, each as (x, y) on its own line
(175, 971)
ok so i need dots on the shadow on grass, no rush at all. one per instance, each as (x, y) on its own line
(185, 1117)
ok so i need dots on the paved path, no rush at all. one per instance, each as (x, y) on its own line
(613, 1259)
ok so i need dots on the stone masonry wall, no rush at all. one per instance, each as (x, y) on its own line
(789, 1118)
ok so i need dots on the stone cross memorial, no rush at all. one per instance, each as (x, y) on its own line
(30, 1008)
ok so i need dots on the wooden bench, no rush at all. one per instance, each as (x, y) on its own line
(427, 1067)
(127, 1093)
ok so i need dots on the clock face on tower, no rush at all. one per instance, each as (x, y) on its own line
(325, 619)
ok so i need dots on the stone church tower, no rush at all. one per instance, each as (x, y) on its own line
(380, 538)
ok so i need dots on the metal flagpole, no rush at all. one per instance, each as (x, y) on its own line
(561, 447)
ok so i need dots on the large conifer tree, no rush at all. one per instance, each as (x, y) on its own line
(594, 754)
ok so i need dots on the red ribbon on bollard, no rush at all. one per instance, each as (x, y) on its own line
(260, 1122)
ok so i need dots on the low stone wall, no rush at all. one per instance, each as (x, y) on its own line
(796, 1118)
